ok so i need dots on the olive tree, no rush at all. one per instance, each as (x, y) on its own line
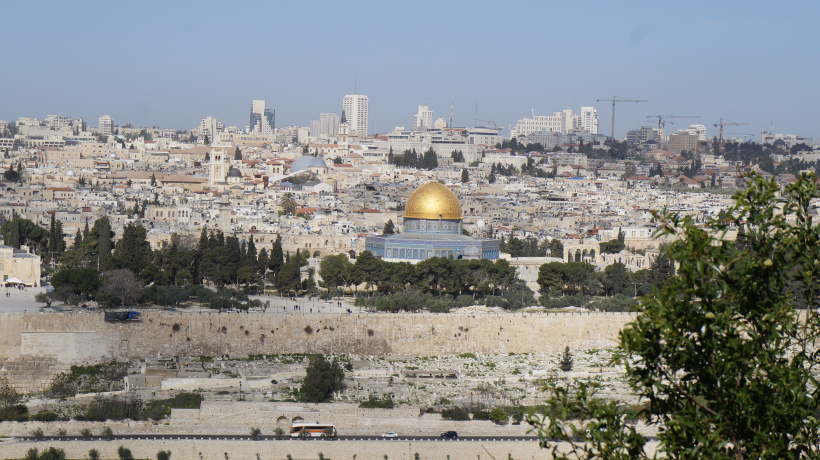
(723, 355)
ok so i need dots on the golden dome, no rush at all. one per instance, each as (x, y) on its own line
(432, 201)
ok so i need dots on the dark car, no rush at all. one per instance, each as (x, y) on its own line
(449, 434)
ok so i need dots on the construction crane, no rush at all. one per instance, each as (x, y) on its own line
(662, 119)
(490, 123)
(720, 138)
(662, 124)
(614, 100)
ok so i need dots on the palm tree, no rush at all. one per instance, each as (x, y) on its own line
(288, 203)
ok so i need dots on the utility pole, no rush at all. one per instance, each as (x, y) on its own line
(614, 100)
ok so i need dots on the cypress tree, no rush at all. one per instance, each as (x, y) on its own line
(104, 243)
(250, 253)
(276, 255)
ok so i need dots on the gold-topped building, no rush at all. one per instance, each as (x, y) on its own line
(432, 201)
(432, 227)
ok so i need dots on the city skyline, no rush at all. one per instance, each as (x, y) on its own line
(741, 62)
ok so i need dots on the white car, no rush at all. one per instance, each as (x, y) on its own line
(390, 434)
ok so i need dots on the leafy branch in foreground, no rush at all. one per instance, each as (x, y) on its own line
(723, 354)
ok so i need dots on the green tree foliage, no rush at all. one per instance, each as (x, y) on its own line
(11, 175)
(723, 353)
(56, 244)
(277, 257)
(437, 283)
(132, 251)
(322, 379)
(565, 278)
(288, 203)
(18, 232)
(82, 281)
(237, 154)
(465, 175)
(336, 270)
(567, 361)
(457, 156)
(614, 246)
(389, 228)
(491, 177)
(289, 277)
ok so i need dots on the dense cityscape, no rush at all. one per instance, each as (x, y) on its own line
(285, 231)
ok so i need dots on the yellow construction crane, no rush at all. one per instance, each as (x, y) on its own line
(662, 125)
(614, 100)
(720, 138)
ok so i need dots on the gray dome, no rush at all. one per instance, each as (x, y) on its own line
(307, 161)
(233, 172)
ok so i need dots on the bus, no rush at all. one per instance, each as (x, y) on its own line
(313, 430)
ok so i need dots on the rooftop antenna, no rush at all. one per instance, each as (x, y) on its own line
(452, 103)
(533, 114)
(475, 120)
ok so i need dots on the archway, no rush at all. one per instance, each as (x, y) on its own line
(282, 421)
(298, 419)
(352, 254)
(317, 254)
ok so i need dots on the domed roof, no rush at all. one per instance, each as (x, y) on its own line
(233, 172)
(432, 201)
(307, 161)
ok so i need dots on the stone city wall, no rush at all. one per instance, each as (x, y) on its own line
(83, 337)
(297, 450)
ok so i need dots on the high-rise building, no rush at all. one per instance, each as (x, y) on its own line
(326, 126)
(424, 119)
(355, 107)
(589, 120)
(211, 128)
(639, 136)
(106, 125)
(564, 122)
(263, 120)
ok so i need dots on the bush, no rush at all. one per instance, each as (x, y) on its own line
(107, 432)
(52, 454)
(618, 302)
(124, 453)
(15, 413)
(481, 415)
(86, 433)
(375, 403)
(164, 455)
(499, 415)
(455, 413)
(44, 416)
(255, 433)
(93, 454)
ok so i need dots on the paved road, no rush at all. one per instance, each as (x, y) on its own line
(161, 437)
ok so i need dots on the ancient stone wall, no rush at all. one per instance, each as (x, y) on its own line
(297, 450)
(83, 337)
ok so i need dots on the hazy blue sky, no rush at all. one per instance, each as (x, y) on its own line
(172, 63)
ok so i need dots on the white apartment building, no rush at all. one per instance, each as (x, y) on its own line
(699, 130)
(106, 125)
(563, 122)
(589, 120)
(326, 127)
(59, 122)
(355, 107)
(423, 119)
(210, 127)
